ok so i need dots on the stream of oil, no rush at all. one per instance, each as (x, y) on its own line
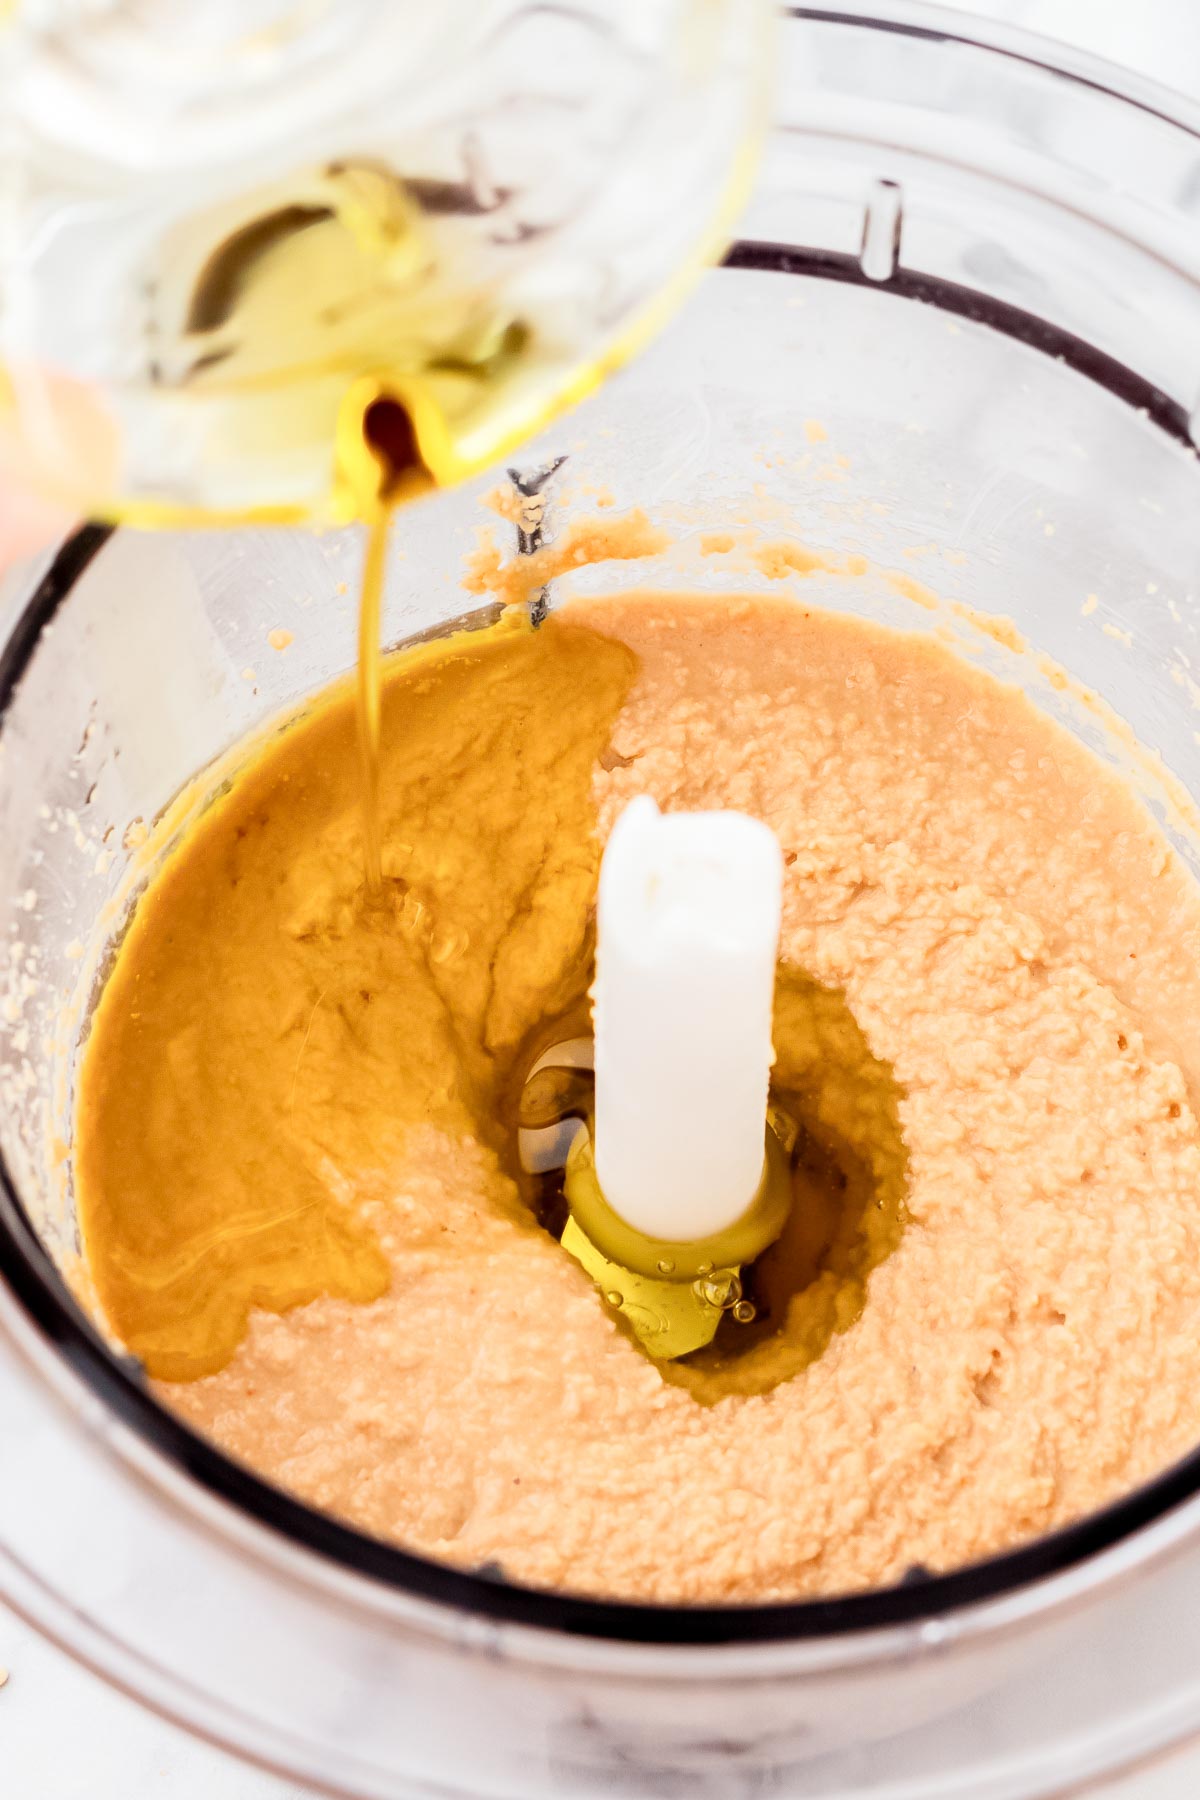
(353, 274)
(389, 469)
(369, 697)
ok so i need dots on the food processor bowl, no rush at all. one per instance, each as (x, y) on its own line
(960, 335)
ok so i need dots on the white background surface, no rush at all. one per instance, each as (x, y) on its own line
(63, 1734)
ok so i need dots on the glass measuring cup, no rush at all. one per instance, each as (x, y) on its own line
(215, 221)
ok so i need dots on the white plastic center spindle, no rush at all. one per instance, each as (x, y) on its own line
(687, 937)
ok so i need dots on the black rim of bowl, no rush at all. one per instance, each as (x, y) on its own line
(33, 1278)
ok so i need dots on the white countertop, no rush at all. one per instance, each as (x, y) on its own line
(66, 1736)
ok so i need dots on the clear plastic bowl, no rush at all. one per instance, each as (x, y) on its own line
(978, 266)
